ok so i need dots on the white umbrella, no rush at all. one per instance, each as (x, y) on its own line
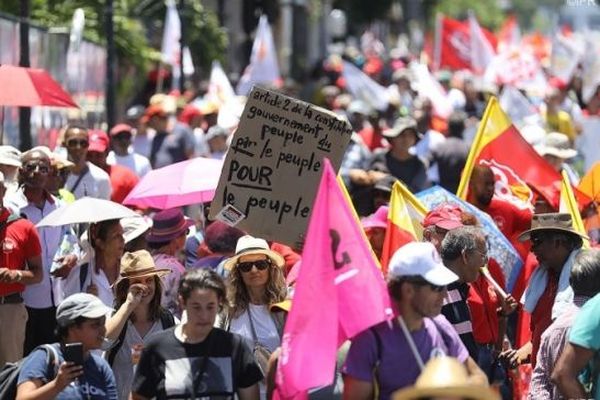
(86, 210)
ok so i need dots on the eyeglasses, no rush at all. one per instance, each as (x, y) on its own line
(32, 168)
(422, 282)
(260, 265)
(78, 143)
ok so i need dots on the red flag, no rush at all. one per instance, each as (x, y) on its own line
(454, 44)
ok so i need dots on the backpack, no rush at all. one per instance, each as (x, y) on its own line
(9, 375)
(167, 321)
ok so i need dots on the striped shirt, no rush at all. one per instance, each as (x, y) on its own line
(456, 310)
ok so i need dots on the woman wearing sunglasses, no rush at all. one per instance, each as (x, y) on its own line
(256, 282)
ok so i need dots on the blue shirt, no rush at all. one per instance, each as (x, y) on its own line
(586, 333)
(96, 383)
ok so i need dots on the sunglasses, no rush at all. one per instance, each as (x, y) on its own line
(423, 282)
(78, 143)
(536, 240)
(260, 265)
(31, 168)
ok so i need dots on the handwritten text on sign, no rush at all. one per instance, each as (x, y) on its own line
(272, 170)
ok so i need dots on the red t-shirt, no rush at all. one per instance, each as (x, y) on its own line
(541, 317)
(122, 181)
(512, 221)
(483, 303)
(20, 242)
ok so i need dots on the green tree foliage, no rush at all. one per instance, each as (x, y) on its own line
(488, 13)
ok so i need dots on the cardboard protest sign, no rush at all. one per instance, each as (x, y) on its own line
(272, 169)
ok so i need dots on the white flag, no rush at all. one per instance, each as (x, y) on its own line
(482, 51)
(171, 47)
(564, 58)
(362, 87)
(219, 88)
(517, 106)
(591, 66)
(429, 87)
(263, 67)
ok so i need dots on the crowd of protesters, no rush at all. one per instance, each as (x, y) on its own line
(169, 305)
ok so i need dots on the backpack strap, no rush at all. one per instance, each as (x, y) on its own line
(79, 178)
(166, 319)
(83, 273)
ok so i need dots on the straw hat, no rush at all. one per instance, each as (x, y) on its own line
(445, 377)
(247, 245)
(139, 264)
(551, 222)
(556, 144)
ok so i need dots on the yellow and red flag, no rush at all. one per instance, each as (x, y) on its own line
(568, 204)
(516, 165)
(405, 215)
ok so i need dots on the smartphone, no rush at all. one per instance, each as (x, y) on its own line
(73, 352)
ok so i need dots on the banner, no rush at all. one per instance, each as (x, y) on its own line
(339, 293)
(272, 169)
(362, 87)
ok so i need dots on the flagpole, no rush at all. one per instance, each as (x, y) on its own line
(474, 152)
(159, 79)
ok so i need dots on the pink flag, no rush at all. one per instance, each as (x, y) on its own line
(339, 293)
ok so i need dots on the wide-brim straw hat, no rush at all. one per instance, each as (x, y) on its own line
(445, 377)
(551, 222)
(248, 245)
(139, 264)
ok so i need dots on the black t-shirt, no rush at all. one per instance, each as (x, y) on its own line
(215, 368)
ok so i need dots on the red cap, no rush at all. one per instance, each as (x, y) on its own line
(119, 128)
(445, 216)
(98, 140)
(155, 109)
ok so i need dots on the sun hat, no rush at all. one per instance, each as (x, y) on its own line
(551, 222)
(98, 139)
(445, 377)
(10, 156)
(80, 305)
(420, 259)
(216, 131)
(168, 225)
(376, 220)
(59, 161)
(446, 216)
(134, 227)
(247, 245)
(556, 144)
(139, 264)
(401, 125)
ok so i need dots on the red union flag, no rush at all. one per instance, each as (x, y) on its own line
(453, 44)
(516, 165)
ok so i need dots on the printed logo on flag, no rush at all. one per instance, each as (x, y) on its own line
(509, 186)
(230, 215)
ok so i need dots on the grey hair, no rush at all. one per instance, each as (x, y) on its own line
(459, 240)
(585, 274)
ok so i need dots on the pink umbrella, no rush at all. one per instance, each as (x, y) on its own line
(187, 182)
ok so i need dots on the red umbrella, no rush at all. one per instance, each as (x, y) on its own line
(27, 87)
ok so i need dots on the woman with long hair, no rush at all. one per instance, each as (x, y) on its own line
(99, 267)
(255, 283)
(195, 360)
(139, 314)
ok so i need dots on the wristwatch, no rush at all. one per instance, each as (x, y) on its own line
(19, 276)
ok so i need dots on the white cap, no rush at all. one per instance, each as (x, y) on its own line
(420, 259)
(10, 156)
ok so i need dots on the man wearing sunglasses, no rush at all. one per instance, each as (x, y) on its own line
(387, 355)
(85, 178)
(555, 244)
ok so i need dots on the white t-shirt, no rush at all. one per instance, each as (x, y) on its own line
(123, 365)
(95, 183)
(266, 330)
(134, 161)
(72, 283)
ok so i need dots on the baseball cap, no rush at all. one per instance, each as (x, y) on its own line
(445, 216)
(420, 259)
(119, 128)
(98, 140)
(10, 156)
(80, 305)
(401, 125)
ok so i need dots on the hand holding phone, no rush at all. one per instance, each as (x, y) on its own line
(73, 352)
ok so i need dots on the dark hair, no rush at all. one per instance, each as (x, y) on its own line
(99, 230)
(456, 124)
(571, 241)
(62, 332)
(585, 274)
(202, 279)
(122, 289)
(157, 245)
(458, 240)
(222, 238)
